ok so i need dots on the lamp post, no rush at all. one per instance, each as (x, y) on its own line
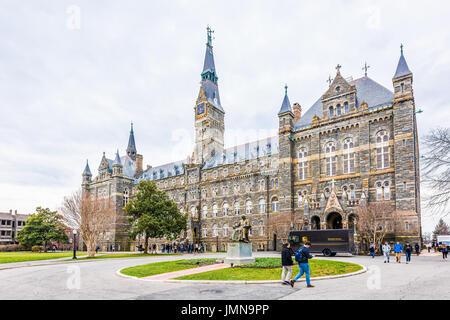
(74, 244)
(354, 227)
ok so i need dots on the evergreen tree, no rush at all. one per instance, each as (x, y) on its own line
(441, 228)
(153, 215)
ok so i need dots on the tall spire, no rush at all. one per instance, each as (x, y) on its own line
(131, 149)
(117, 159)
(87, 170)
(402, 66)
(209, 75)
(286, 105)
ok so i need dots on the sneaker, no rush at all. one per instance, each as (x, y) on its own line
(285, 283)
(310, 286)
(292, 283)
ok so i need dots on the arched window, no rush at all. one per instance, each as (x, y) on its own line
(215, 230)
(349, 156)
(403, 87)
(386, 191)
(215, 210)
(330, 159)
(338, 110)
(261, 228)
(225, 230)
(382, 146)
(248, 207)
(204, 211)
(204, 232)
(126, 197)
(302, 164)
(275, 204)
(352, 192)
(379, 191)
(262, 206)
(346, 109)
(225, 209)
(193, 211)
(326, 192)
(300, 200)
(331, 112)
(236, 208)
(261, 185)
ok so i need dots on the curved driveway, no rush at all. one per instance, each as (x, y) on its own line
(428, 277)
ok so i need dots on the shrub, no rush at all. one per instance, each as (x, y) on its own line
(11, 247)
(37, 248)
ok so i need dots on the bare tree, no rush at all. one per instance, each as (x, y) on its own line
(280, 224)
(375, 220)
(90, 215)
(436, 169)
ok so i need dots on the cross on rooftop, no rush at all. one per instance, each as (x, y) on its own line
(209, 32)
(338, 68)
(365, 69)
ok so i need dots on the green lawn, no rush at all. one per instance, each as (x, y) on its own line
(9, 257)
(262, 269)
(151, 269)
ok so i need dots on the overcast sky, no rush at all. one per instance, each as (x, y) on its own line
(74, 74)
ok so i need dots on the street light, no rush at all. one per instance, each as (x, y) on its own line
(74, 244)
(354, 227)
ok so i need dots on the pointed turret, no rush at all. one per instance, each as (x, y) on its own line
(402, 66)
(87, 170)
(117, 165)
(87, 175)
(286, 105)
(131, 149)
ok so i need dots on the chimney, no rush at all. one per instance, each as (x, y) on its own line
(297, 112)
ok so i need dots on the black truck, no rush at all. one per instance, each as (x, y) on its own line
(328, 242)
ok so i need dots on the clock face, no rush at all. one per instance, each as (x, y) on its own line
(200, 108)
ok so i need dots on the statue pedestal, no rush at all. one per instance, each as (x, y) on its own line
(239, 253)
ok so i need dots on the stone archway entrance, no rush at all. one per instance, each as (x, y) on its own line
(334, 220)
(315, 223)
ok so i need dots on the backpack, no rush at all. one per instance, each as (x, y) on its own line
(299, 256)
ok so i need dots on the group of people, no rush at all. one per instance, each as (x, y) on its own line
(302, 256)
(180, 247)
(385, 250)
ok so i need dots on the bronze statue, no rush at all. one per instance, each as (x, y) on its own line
(240, 230)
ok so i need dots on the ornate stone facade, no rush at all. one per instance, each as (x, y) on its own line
(356, 144)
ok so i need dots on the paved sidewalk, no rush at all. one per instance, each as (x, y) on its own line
(180, 273)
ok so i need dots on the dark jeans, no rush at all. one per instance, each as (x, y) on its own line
(304, 269)
(408, 256)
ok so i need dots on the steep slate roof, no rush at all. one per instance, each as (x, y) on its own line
(87, 170)
(208, 64)
(117, 159)
(244, 152)
(402, 67)
(164, 171)
(286, 105)
(374, 94)
(131, 142)
(129, 165)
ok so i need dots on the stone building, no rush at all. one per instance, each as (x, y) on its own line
(356, 144)
(10, 224)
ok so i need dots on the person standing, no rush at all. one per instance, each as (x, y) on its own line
(417, 247)
(386, 252)
(372, 250)
(398, 249)
(286, 262)
(408, 250)
(444, 251)
(301, 256)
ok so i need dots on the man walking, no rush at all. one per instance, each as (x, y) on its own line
(417, 247)
(408, 250)
(301, 256)
(398, 249)
(372, 250)
(386, 252)
(286, 262)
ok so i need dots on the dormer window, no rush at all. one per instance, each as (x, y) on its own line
(338, 110)
(346, 107)
(402, 87)
(338, 89)
(331, 112)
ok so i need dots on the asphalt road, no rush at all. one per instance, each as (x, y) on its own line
(427, 277)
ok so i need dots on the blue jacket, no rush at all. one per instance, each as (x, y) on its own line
(306, 254)
(398, 248)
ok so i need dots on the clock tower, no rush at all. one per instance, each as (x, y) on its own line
(209, 114)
